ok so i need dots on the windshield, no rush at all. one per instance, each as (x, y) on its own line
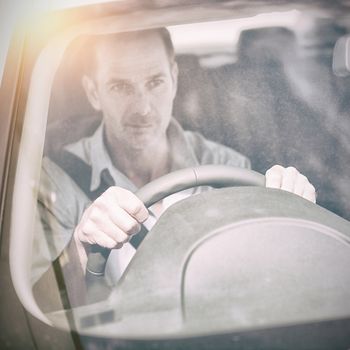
(270, 73)
(126, 107)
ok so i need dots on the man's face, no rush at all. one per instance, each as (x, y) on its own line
(133, 85)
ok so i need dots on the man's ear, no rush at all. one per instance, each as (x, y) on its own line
(91, 92)
(174, 75)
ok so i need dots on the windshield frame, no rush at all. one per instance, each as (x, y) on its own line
(32, 142)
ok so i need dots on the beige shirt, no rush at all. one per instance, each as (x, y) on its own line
(61, 202)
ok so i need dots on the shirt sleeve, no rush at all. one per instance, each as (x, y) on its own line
(60, 205)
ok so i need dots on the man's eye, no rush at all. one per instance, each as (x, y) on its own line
(155, 83)
(121, 87)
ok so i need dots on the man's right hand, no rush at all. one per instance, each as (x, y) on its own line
(111, 219)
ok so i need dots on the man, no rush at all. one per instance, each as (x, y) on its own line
(131, 79)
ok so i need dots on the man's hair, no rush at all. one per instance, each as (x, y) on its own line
(91, 44)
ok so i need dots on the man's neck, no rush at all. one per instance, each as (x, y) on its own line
(141, 165)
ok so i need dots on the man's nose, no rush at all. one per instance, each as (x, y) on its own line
(142, 102)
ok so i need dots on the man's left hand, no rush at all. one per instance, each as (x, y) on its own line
(289, 179)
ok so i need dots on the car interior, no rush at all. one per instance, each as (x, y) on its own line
(264, 86)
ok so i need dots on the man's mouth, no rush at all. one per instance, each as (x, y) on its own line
(140, 126)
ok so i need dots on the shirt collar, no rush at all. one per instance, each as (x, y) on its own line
(182, 153)
(93, 151)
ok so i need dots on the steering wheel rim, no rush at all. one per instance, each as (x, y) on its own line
(216, 176)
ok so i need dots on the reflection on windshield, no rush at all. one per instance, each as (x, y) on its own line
(278, 103)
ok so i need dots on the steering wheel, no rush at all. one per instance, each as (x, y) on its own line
(216, 176)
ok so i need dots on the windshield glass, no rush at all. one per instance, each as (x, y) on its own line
(127, 107)
(271, 73)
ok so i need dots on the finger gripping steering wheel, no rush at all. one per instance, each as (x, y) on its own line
(206, 175)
